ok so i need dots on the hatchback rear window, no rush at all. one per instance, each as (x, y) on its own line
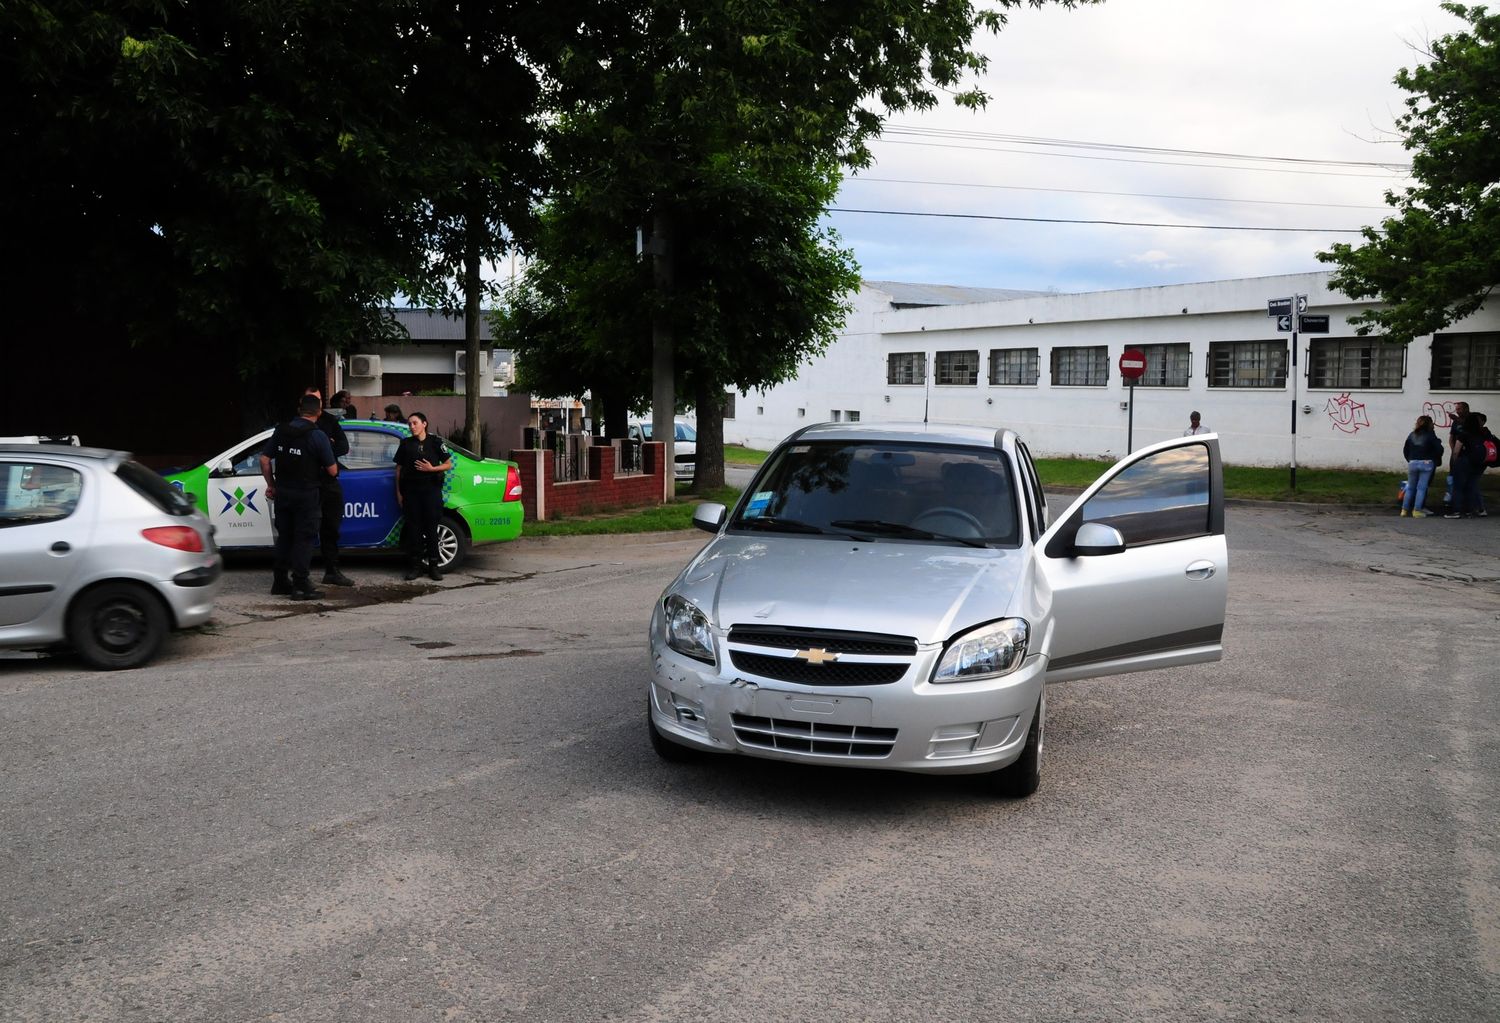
(154, 489)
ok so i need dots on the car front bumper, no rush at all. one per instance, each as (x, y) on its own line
(910, 725)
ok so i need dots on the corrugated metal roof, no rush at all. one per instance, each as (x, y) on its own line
(909, 296)
(432, 325)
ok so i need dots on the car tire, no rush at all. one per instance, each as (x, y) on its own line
(452, 542)
(117, 625)
(1021, 778)
(668, 750)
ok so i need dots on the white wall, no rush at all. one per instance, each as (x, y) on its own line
(1254, 423)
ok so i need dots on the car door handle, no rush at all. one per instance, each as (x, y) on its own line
(1201, 570)
(61, 547)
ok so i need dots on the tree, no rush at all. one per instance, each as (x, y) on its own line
(717, 127)
(1438, 259)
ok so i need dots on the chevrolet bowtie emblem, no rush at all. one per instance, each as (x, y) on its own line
(816, 656)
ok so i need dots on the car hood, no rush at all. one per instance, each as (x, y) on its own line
(921, 590)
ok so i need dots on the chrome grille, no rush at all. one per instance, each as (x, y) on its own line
(858, 741)
(832, 640)
(834, 673)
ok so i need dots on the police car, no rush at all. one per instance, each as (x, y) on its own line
(481, 496)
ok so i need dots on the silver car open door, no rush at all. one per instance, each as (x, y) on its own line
(1138, 567)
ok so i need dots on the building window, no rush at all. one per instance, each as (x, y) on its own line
(835, 416)
(906, 368)
(1013, 366)
(1348, 363)
(1166, 365)
(1080, 367)
(729, 405)
(1247, 364)
(1469, 362)
(801, 412)
(957, 368)
(852, 415)
(760, 410)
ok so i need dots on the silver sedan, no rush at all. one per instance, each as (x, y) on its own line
(99, 552)
(897, 596)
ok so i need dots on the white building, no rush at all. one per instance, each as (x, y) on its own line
(1048, 365)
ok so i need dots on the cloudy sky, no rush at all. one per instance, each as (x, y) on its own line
(1138, 87)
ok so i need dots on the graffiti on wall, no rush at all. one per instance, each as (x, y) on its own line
(1346, 414)
(1442, 413)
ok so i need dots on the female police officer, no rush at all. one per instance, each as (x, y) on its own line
(421, 462)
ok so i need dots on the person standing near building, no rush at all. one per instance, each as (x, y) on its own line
(296, 457)
(344, 400)
(1468, 465)
(331, 496)
(1424, 453)
(393, 414)
(422, 461)
(1195, 426)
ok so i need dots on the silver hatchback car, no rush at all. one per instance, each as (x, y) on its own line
(896, 596)
(98, 551)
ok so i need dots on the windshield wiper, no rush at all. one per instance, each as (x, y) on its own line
(902, 529)
(780, 525)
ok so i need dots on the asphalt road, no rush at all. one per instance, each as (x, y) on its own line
(438, 803)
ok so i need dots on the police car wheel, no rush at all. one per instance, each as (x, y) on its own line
(117, 625)
(452, 543)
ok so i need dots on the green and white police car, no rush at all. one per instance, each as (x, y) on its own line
(481, 496)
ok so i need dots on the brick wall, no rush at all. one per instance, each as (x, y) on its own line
(604, 491)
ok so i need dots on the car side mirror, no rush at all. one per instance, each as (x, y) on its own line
(1095, 538)
(709, 516)
(224, 468)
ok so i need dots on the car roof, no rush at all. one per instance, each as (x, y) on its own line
(66, 453)
(962, 434)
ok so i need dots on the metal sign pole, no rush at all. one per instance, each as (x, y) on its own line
(1299, 304)
(1130, 421)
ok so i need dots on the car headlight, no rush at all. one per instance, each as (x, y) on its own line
(986, 652)
(687, 629)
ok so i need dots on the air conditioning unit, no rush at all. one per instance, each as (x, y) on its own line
(461, 362)
(364, 365)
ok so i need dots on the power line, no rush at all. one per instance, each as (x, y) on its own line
(1035, 140)
(1149, 163)
(1109, 223)
(1132, 195)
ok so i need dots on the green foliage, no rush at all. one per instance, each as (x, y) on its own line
(1438, 258)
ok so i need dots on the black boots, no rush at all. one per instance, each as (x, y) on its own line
(333, 577)
(281, 586)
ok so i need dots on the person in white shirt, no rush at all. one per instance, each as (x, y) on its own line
(1197, 426)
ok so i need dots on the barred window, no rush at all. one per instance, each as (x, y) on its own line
(1348, 363)
(1247, 364)
(957, 368)
(1080, 367)
(1469, 362)
(729, 404)
(906, 368)
(1166, 365)
(1013, 366)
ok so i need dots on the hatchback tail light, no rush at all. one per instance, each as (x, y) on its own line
(512, 483)
(179, 538)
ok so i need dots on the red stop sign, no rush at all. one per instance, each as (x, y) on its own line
(1132, 363)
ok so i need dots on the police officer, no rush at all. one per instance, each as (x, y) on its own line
(331, 493)
(296, 457)
(422, 462)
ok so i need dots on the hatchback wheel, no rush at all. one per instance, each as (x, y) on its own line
(1020, 779)
(117, 625)
(452, 543)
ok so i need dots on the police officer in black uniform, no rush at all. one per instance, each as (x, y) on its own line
(296, 457)
(422, 462)
(331, 493)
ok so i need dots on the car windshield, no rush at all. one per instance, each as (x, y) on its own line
(886, 490)
(683, 432)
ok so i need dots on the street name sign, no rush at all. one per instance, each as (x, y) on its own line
(1310, 324)
(1279, 307)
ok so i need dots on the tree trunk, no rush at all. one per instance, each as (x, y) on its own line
(473, 428)
(663, 378)
(708, 464)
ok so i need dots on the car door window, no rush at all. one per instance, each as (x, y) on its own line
(1162, 497)
(37, 492)
(1035, 502)
(370, 449)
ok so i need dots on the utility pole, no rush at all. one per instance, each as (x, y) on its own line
(663, 378)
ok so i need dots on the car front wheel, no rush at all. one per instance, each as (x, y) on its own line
(117, 625)
(1021, 778)
(452, 543)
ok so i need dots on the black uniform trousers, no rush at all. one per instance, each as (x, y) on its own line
(296, 529)
(422, 507)
(331, 518)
